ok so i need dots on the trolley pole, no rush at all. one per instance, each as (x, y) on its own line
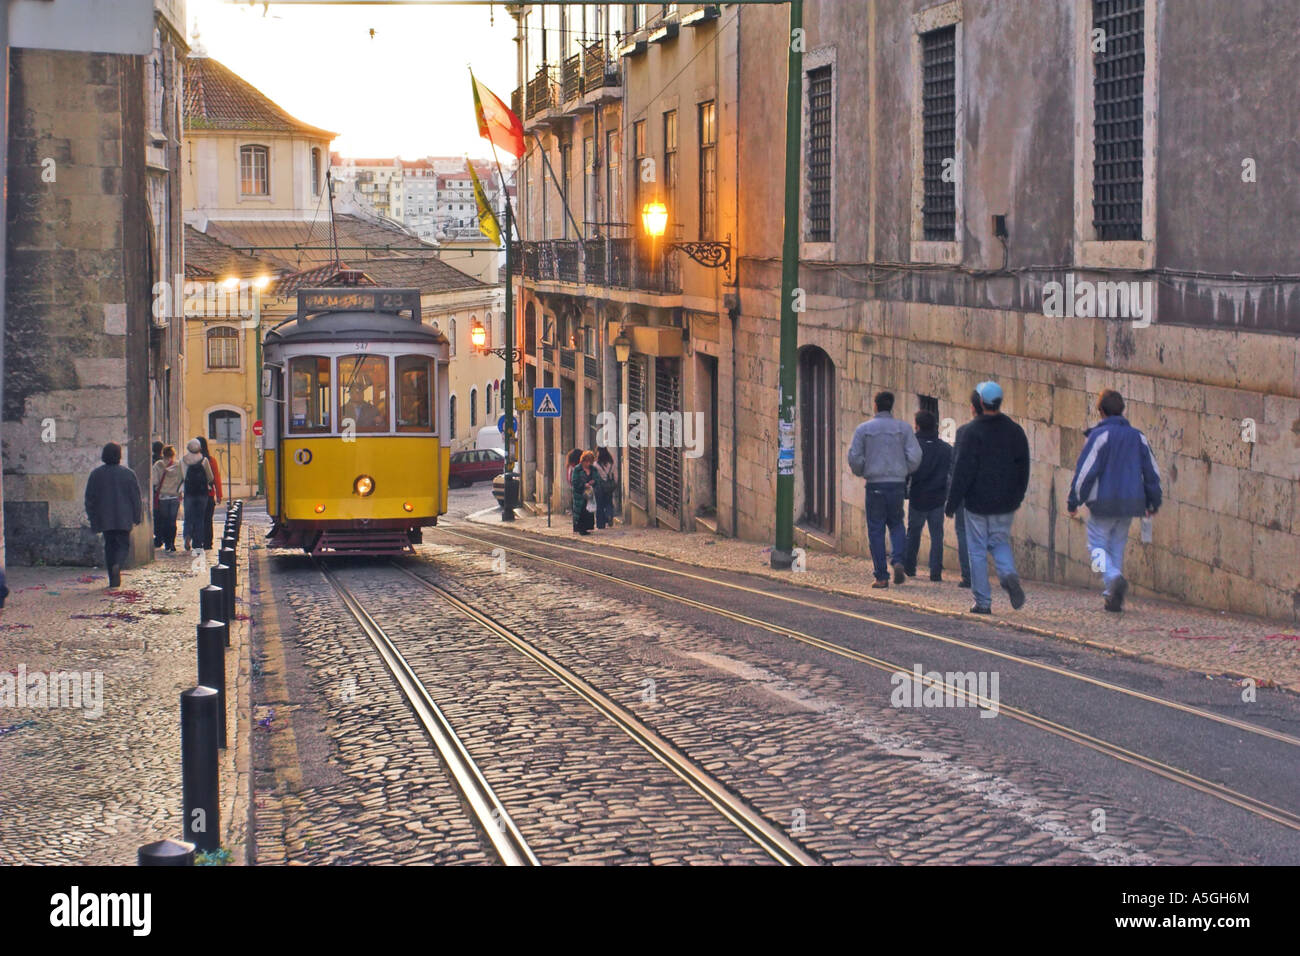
(507, 507)
(783, 548)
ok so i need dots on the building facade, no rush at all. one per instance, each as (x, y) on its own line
(94, 225)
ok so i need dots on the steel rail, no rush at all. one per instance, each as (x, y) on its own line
(507, 841)
(1150, 764)
(763, 832)
(1232, 722)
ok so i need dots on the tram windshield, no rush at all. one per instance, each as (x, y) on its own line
(309, 394)
(363, 393)
(414, 393)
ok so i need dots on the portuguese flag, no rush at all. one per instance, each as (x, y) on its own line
(496, 121)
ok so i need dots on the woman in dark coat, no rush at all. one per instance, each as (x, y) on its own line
(571, 463)
(606, 482)
(584, 491)
(214, 494)
(114, 507)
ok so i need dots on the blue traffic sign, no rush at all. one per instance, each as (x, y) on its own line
(501, 424)
(546, 402)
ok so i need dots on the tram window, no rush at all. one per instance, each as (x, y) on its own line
(363, 392)
(414, 394)
(309, 394)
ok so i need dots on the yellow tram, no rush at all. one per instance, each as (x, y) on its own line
(356, 394)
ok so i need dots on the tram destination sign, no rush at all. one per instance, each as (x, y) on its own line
(311, 301)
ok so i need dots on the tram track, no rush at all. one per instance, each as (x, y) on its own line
(1252, 805)
(507, 840)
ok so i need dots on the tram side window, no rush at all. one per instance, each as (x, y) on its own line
(363, 392)
(414, 393)
(309, 394)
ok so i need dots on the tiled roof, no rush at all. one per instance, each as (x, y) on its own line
(217, 98)
(206, 257)
(427, 275)
(321, 277)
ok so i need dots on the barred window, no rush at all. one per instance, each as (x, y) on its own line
(819, 155)
(223, 347)
(254, 167)
(1118, 68)
(939, 133)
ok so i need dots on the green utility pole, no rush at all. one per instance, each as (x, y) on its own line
(508, 399)
(783, 549)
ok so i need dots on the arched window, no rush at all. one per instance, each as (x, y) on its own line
(451, 336)
(223, 347)
(254, 171)
(487, 402)
(225, 425)
(315, 171)
(451, 419)
(473, 408)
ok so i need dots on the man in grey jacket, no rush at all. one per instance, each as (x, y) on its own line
(884, 452)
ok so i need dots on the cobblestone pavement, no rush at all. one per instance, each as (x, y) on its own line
(87, 788)
(1211, 642)
(851, 780)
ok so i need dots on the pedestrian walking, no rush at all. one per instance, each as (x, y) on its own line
(989, 477)
(606, 483)
(214, 494)
(583, 482)
(571, 462)
(157, 457)
(1117, 478)
(959, 521)
(167, 478)
(926, 489)
(198, 483)
(114, 506)
(884, 451)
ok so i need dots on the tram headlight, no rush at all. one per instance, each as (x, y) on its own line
(364, 485)
(320, 508)
(408, 506)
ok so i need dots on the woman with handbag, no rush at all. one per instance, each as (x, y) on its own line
(584, 493)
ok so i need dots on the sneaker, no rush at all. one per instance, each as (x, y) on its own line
(976, 609)
(1011, 584)
(964, 583)
(899, 574)
(1115, 599)
(881, 583)
(936, 575)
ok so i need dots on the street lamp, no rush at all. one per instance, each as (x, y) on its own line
(654, 217)
(707, 252)
(622, 347)
(478, 335)
(478, 339)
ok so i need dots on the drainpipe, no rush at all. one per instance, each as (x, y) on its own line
(4, 237)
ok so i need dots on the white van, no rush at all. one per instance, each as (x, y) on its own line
(489, 437)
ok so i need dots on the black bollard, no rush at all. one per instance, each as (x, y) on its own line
(165, 853)
(199, 782)
(228, 541)
(212, 604)
(213, 638)
(223, 578)
(226, 556)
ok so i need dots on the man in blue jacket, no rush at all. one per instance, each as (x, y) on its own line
(1117, 478)
(926, 489)
(884, 451)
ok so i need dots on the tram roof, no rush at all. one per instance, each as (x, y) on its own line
(342, 326)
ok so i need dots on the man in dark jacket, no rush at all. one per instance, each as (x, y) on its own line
(1117, 478)
(926, 489)
(963, 554)
(990, 477)
(113, 505)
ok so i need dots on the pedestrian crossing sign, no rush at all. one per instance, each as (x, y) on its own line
(546, 402)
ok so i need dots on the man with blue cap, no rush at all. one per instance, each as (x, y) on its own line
(989, 478)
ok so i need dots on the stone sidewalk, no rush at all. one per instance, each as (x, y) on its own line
(90, 784)
(1215, 643)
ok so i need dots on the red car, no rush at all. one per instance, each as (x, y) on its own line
(482, 464)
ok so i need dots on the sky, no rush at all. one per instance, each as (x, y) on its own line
(405, 92)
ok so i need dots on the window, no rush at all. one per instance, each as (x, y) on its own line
(223, 347)
(670, 162)
(588, 182)
(224, 426)
(639, 184)
(363, 393)
(254, 167)
(939, 133)
(566, 167)
(309, 394)
(487, 403)
(1117, 83)
(613, 176)
(315, 171)
(819, 154)
(708, 170)
(451, 418)
(414, 393)
(473, 408)
(452, 335)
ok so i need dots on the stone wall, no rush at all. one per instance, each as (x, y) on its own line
(77, 323)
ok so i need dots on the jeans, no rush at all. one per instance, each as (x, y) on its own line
(918, 518)
(604, 508)
(963, 553)
(164, 526)
(196, 513)
(885, 510)
(988, 534)
(117, 545)
(1107, 537)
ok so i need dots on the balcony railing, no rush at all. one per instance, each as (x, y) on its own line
(619, 263)
(571, 77)
(590, 367)
(517, 102)
(568, 359)
(599, 68)
(541, 92)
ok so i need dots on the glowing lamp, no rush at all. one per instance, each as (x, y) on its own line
(654, 216)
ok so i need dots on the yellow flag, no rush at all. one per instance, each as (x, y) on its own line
(487, 220)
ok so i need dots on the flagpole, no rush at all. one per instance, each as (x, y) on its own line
(507, 508)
